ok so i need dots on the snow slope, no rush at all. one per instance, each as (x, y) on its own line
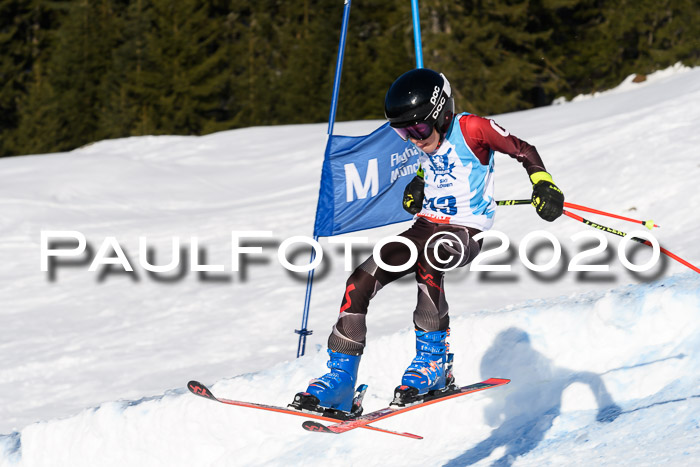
(627, 358)
(573, 344)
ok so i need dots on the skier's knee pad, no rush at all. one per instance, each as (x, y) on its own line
(430, 320)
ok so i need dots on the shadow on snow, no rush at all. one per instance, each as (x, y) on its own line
(532, 401)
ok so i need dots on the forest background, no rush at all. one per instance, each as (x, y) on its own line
(78, 71)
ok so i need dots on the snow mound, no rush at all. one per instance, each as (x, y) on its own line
(607, 376)
(630, 83)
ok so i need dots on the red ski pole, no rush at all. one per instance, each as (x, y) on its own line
(636, 239)
(648, 224)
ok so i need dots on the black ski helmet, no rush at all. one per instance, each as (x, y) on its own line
(420, 95)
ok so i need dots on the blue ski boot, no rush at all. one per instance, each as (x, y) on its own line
(430, 371)
(334, 390)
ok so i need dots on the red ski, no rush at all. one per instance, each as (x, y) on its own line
(364, 420)
(198, 389)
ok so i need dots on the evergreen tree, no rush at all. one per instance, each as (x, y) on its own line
(185, 62)
(75, 71)
(256, 61)
(645, 35)
(305, 75)
(129, 103)
(65, 100)
(24, 40)
(379, 49)
(674, 34)
(491, 50)
(573, 24)
(38, 129)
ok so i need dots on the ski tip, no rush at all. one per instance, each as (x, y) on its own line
(198, 389)
(497, 381)
(315, 427)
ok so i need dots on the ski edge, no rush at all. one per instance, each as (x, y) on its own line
(201, 390)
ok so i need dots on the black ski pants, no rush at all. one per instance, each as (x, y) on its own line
(436, 243)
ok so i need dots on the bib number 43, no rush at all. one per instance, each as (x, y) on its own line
(445, 204)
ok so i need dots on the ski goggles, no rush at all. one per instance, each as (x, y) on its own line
(419, 131)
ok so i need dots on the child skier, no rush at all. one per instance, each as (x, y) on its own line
(452, 197)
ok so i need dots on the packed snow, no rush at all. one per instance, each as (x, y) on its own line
(604, 365)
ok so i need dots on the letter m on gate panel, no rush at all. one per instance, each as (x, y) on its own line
(355, 185)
